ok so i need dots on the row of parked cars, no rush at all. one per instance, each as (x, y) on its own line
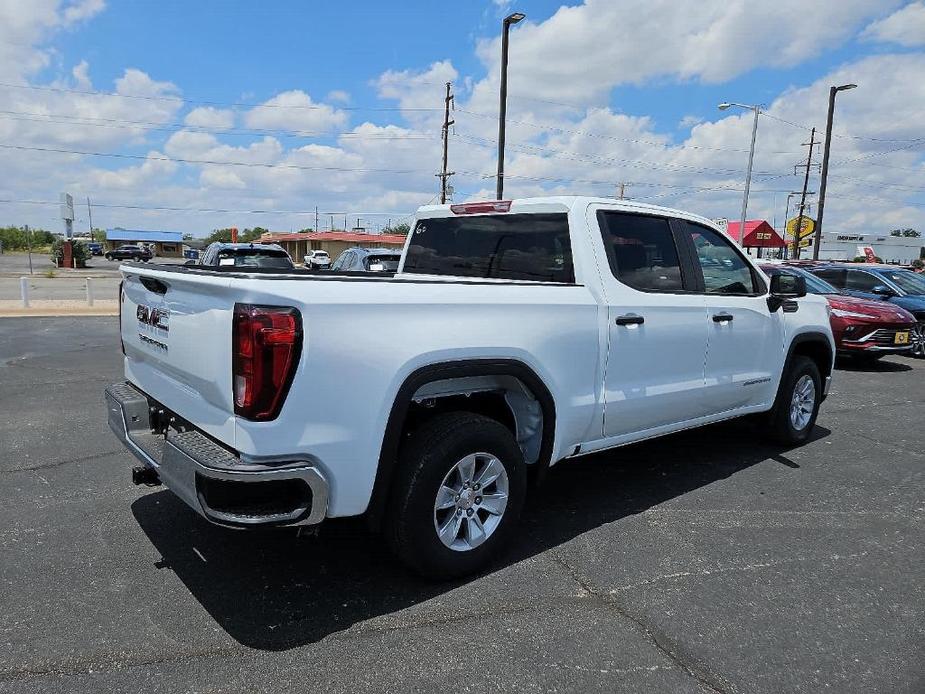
(875, 309)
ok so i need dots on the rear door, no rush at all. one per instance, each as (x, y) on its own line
(745, 339)
(657, 326)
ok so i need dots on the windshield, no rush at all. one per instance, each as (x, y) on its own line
(382, 263)
(255, 257)
(814, 284)
(909, 282)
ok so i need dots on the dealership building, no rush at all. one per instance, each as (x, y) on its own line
(298, 244)
(838, 245)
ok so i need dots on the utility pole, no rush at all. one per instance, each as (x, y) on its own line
(90, 217)
(809, 162)
(316, 218)
(446, 138)
(622, 190)
(825, 164)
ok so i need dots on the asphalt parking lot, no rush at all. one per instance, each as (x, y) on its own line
(701, 562)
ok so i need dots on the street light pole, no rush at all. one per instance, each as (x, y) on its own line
(502, 112)
(825, 164)
(751, 159)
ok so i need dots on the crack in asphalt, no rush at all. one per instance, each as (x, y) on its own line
(705, 679)
(60, 463)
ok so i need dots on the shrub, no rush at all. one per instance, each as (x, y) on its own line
(80, 252)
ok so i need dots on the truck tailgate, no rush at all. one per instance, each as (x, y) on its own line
(176, 330)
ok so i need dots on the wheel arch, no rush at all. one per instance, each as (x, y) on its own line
(449, 371)
(816, 346)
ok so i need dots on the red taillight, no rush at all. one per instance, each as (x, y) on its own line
(266, 343)
(482, 207)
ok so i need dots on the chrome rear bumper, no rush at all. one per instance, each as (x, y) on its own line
(213, 480)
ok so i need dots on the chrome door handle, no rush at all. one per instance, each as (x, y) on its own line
(630, 319)
(722, 317)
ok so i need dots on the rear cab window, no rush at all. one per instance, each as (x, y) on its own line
(531, 247)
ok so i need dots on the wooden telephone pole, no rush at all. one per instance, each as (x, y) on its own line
(444, 174)
(809, 162)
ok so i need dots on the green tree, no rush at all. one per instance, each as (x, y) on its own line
(402, 229)
(187, 237)
(220, 235)
(906, 233)
(252, 234)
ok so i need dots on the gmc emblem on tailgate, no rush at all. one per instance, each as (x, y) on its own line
(155, 317)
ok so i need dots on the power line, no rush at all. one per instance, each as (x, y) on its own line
(231, 104)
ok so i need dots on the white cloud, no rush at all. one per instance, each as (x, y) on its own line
(338, 95)
(155, 167)
(295, 110)
(82, 10)
(210, 117)
(905, 27)
(690, 121)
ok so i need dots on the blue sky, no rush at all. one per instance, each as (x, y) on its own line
(602, 92)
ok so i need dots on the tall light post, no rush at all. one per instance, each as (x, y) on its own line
(510, 20)
(751, 158)
(825, 164)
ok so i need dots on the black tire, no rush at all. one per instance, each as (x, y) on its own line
(424, 462)
(108, 257)
(780, 427)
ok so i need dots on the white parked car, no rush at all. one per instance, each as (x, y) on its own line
(319, 260)
(514, 336)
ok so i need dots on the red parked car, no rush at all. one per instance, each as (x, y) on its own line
(863, 329)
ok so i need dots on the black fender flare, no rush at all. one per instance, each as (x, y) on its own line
(812, 337)
(391, 441)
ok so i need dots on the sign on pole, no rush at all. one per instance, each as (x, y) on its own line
(67, 213)
(806, 228)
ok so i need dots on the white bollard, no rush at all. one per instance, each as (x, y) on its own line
(24, 291)
(89, 292)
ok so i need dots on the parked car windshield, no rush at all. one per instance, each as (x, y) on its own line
(382, 263)
(255, 257)
(909, 282)
(814, 284)
(503, 246)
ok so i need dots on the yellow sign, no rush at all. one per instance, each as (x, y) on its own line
(806, 228)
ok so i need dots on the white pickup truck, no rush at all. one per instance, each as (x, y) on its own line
(514, 336)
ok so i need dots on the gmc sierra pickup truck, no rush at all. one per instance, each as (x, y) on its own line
(514, 335)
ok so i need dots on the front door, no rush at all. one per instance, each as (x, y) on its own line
(657, 328)
(745, 343)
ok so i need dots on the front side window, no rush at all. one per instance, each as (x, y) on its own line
(909, 282)
(500, 246)
(641, 251)
(724, 270)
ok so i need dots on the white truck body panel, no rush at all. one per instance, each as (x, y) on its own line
(364, 336)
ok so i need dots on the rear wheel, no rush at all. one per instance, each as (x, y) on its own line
(108, 257)
(796, 407)
(458, 495)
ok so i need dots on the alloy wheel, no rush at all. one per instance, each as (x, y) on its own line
(803, 402)
(471, 501)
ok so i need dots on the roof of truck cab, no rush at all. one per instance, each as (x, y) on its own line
(568, 202)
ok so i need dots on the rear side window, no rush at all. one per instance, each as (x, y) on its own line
(833, 276)
(641, 251)
(862, 281)
(505, 246)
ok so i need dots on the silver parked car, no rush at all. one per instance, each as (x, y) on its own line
(368, 260)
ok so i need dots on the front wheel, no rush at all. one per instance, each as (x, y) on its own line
(457, 497)
(796, 407)
(918, 340)
(108, 257)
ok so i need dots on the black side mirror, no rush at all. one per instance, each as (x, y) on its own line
(883, 290)
(785, 286)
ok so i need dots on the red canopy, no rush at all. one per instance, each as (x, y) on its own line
(758, 234)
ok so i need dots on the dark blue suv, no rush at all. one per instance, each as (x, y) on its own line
(887, 283)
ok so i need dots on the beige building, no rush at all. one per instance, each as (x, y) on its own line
(334, 242)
